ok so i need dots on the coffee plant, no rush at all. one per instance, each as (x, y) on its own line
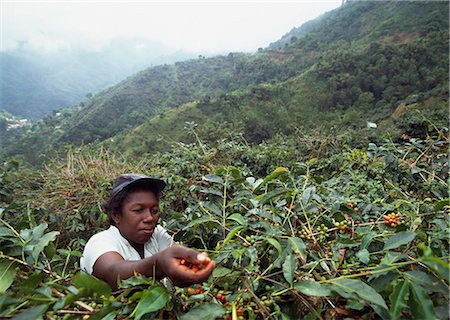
(296, 232)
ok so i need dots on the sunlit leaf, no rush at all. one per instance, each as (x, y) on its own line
(213, 178)
(220, 272)
(199, 221)
(43, 242)
(275, 174)
(212, 207)
(312, 288)
(275, 244)
(299, 247)
(307, 195)
(32, 313)
(153, 299)
(399, 239)
(350, 287)
(91, 283)
(270, 195)
(215, 192)
(325, 266)
(231, 234)
(238, 218)
(363, 256)
(7, 275)
(207, 311)
(289, 267)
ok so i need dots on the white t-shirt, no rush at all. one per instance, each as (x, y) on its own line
(112, 240)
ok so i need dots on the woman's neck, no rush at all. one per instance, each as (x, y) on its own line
(139, 248)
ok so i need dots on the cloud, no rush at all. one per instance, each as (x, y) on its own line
(213, 26)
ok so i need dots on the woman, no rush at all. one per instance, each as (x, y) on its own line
(135, 243)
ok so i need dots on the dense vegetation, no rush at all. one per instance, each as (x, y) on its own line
(303, 227)
(270, 168)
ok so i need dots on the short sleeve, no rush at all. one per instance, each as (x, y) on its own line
(95, 247)
(163, 239)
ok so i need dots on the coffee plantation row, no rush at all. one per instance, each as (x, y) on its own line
(306, 227)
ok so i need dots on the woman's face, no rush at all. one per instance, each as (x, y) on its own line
(139, 218)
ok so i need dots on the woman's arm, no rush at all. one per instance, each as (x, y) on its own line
(111, 267)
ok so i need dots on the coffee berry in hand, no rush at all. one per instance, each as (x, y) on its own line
(196, 267)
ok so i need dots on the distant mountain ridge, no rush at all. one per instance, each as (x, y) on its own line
(356, 62)
(34, 83)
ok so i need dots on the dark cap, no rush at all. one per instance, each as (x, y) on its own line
(125, 180)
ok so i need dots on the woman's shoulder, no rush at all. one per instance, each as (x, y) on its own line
(108, 234)
(161, 238)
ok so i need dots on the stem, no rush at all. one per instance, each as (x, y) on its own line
(224, 205)
(393, 266)
(65, 265)
(13, 230)
(29, 266)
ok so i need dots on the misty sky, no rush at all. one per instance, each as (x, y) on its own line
(199, 26)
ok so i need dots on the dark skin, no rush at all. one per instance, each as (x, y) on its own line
(136, 223)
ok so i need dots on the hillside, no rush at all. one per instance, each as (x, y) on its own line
(365, 57)
(369, 81)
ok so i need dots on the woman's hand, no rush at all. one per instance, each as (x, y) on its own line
(168, 262)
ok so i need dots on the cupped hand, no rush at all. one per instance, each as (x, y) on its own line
(168, 262)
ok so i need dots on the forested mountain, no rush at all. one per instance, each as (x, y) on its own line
(352, 65)
(35, 82)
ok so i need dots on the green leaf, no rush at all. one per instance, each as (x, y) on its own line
(6, 233)
(33, 281)
(398, 298)
(308, 195)
(43, 242)
(289, 267)
(263, 198)
(421, 306)
(215, 192)
(312, 288)
(199, 221)
(91, 284)
(350, 287)
(232, 234)
(325, 267)
(274, 243)
(439, 205)
(238, 218)
(427, 281)
(205, 312)
(38, 231)
(220, 272)
(7, 275)
(137, 280)
(275, 174)
(438, 266)
(153, 299)
(32, 313)
(213, 178)
(363, 256)
(399, 239)
(212, 207)
(299, 247)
